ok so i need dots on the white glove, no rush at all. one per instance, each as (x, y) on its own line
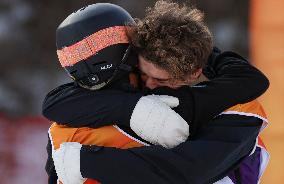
(67, 163)
(154, 121)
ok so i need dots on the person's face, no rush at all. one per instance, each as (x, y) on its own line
(154, 77)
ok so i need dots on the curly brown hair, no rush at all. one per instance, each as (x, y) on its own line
(173, 37)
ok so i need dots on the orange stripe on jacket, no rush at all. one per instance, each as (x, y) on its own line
(107, 136)
(253, 107)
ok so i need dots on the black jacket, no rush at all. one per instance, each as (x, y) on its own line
(233, 81)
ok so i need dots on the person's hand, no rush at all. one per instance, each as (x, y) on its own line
(154, 121)
(67, 163)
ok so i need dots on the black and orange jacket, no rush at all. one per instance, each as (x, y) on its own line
(113, 136)
(233, 81)
(108, 136)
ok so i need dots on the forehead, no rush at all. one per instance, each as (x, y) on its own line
(151, 70)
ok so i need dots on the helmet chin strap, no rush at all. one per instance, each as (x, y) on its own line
(126, 64)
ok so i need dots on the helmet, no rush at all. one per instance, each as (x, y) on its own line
(92, 44)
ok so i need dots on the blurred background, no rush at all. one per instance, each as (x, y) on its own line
(29, 69)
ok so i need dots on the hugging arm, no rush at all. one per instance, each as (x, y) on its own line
(205, 159)
(77, 107)
(233, 81)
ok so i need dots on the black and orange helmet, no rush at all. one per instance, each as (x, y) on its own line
(92, 44)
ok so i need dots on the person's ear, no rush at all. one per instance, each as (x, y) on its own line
(193, 78)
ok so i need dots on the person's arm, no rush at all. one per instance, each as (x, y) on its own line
(72, 105)
(235, 82)
(218, 148)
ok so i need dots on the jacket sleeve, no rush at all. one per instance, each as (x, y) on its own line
(235, 81)
(219, 147)
(77, 107)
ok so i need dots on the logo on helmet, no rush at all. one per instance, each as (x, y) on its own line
(106, 67)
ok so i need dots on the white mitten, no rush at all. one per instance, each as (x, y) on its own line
(154, 121)
(67, 163)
